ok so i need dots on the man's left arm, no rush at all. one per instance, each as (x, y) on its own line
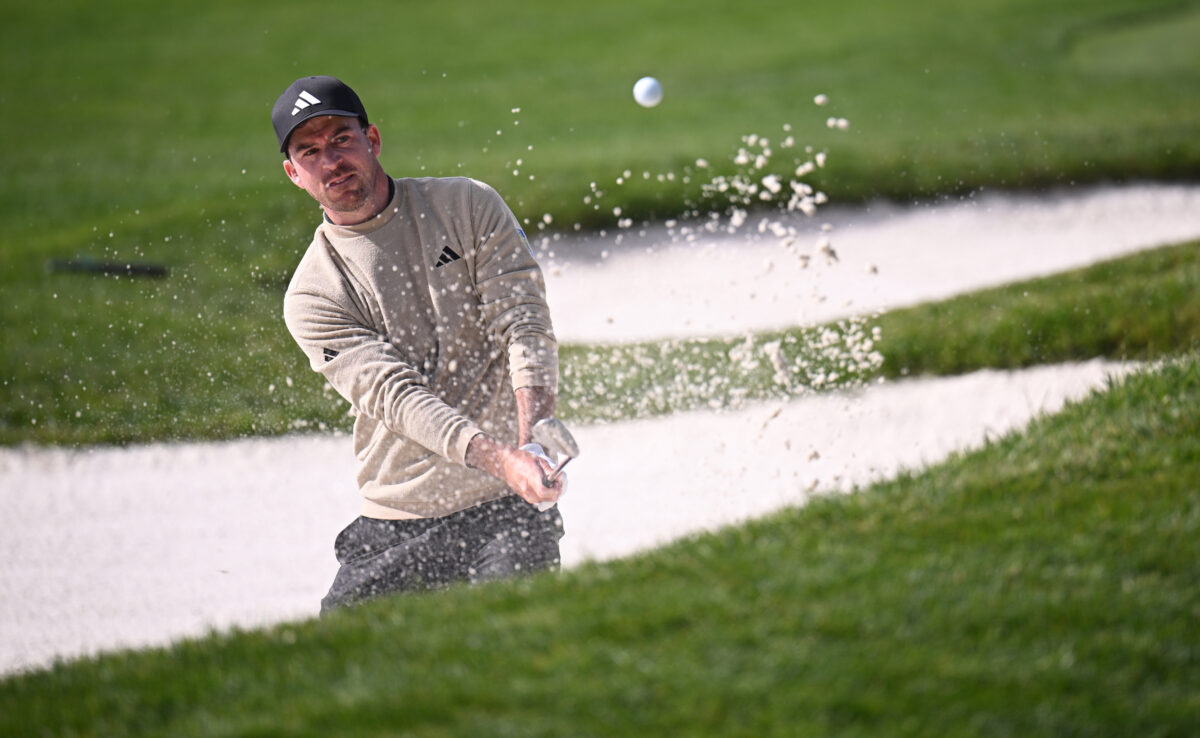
(512, 293)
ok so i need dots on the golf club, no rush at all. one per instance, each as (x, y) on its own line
(553, 436)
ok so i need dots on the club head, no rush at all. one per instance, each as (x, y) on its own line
(554, 437)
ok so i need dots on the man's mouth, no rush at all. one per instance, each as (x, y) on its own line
(339, 181)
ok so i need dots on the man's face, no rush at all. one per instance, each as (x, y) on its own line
(334, 159)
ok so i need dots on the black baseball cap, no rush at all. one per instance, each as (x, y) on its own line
(309, 97)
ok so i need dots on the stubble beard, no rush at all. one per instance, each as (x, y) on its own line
(346, 200)
(349, 199)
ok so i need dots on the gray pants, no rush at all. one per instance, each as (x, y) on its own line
(494, 540)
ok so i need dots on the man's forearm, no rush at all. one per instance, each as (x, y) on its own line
(487, 455)
(533, 404)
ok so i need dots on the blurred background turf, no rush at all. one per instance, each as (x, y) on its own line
(139, 132)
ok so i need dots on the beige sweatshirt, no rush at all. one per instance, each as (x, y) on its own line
(426, 319)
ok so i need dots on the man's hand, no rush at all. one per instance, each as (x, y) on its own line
(523, 472)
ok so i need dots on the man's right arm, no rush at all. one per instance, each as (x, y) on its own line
(371, 373)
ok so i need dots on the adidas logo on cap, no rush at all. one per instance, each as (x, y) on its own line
(306, 98)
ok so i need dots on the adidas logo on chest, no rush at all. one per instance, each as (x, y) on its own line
(448, 256)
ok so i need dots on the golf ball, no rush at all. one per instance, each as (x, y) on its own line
(648, 92)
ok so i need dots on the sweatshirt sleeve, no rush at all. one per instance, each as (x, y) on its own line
(512, 292)
(332, 327)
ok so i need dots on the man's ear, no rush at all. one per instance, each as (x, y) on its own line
(292, 174)
(373, 137)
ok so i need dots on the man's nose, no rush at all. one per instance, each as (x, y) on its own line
(331, 158)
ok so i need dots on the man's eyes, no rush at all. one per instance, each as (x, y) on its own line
(340, 140)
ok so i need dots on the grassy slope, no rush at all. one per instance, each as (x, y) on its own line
(150, 143)
(1136, 307)
(1044, 585)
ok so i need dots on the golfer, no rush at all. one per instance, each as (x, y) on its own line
(420, 302)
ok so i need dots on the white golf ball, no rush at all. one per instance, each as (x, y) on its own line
(648, 92)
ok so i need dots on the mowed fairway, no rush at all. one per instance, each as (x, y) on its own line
(139, 133)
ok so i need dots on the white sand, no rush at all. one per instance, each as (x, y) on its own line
(107, 548)
(651, 287)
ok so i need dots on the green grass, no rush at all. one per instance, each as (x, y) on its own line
(141, 105)
(1138, 307)
(1045, 585)
(139, 132)
(614, 382)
